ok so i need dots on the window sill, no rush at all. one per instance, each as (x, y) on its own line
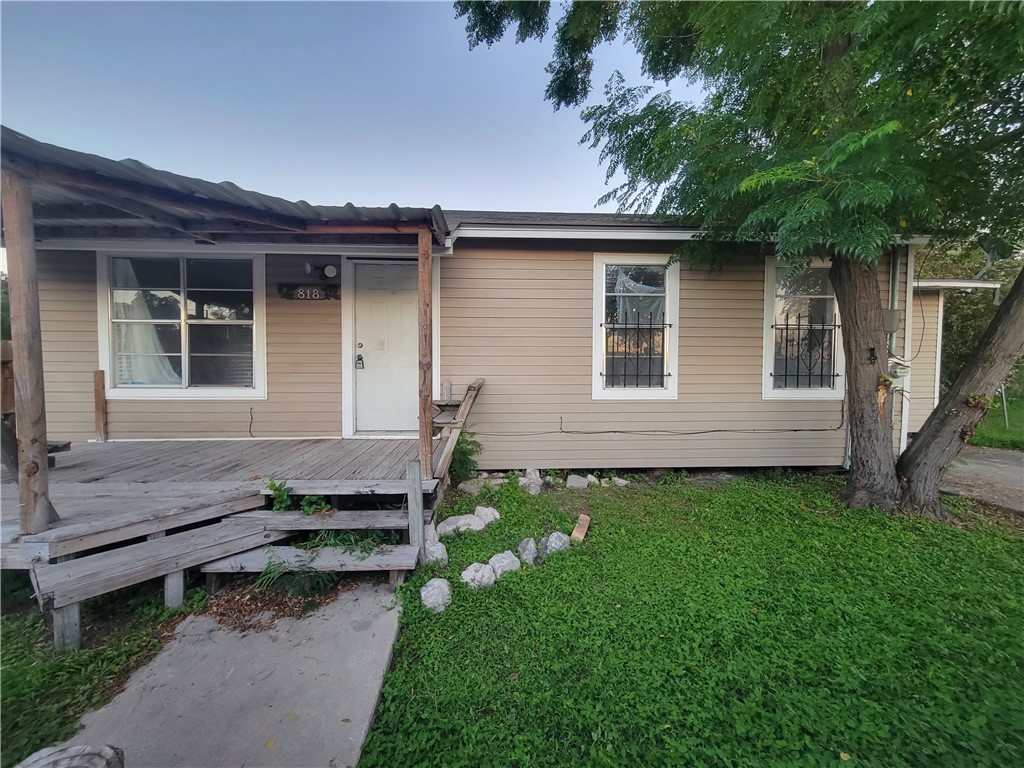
(635, 394)
(162, 393)
(802, 394)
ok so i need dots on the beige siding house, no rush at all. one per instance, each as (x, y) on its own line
(232, 315)
(523, 314)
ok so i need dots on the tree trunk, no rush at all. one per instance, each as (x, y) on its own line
(872, 479)
(955, 418)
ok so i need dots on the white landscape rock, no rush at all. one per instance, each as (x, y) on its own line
(531, 481)
(478, 575)
(436, 594)
(528, 551)
(592, 479)
(436, 553)
(460, 523)
(503, 563)
(486, 515)
(576, 482)
(553, 542)
(620, 482)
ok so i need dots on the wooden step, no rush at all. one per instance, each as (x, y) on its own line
(76, 580)
(351, 487)
(138, 516)
(448, 404)
(336, 520)
(392, 558)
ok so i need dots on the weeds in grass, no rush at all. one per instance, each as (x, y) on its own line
(674, 478)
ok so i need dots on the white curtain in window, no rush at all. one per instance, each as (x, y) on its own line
(141, 358)
(640, 301)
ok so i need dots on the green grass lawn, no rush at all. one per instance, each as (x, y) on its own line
(43, 693)
(749, 623)
(993, 433)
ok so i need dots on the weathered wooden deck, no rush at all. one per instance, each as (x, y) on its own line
(120, 491)
(233, 460)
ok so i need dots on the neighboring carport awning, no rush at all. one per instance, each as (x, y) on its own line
(964, 285)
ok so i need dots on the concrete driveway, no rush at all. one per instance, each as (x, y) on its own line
(992, 475)
(299, 695)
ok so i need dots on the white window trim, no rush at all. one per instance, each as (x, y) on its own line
(259, 342)
(671, 390)
(768, 350)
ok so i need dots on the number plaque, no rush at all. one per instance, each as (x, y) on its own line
(320, 292)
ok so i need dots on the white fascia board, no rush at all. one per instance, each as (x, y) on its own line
(187, 246)
(572, 233)
(513, 232)
(938, 284)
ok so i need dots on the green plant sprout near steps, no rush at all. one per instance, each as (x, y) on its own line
(303, 580)
(311, 505)
(281, 495)
(463, 465)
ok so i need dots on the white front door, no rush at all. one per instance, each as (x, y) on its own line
(386, 348)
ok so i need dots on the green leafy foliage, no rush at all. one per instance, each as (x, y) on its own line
(282, 500)
(354, 541)
(310, 505)
(966, 315)
(464, 457)
(749, 623)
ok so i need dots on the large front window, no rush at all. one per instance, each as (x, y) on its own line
(183, 323)
(636, 303)
(803, 353)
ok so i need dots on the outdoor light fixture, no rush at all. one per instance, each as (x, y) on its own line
(327, 271)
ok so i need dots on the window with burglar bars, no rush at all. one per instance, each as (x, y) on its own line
(804, 352)
(634, 328)
(804, 332)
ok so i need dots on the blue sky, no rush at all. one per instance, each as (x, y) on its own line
(337, 102)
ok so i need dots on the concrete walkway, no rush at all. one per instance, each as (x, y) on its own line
(992, 475)
(301, 694)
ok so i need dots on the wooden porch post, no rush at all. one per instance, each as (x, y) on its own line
(426, 419)
(30, 406)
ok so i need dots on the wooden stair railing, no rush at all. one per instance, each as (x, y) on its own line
(455, 427)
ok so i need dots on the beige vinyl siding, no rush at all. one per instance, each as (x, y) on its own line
(67, 312)
(303, 365)
(523, 320)
(924, 351)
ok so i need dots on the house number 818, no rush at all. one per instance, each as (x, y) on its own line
(308, 293)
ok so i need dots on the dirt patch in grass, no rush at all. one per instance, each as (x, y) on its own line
(244, 609)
